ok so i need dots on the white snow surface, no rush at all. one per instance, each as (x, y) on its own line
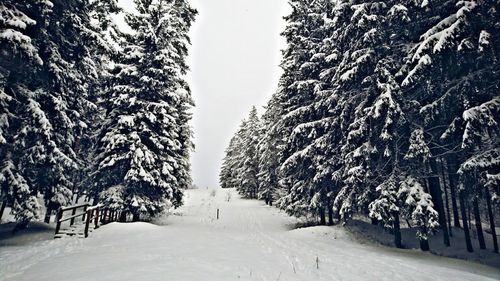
(250, 241)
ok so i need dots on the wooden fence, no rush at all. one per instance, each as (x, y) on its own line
(96, 215)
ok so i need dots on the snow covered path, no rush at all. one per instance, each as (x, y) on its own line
(250, 241)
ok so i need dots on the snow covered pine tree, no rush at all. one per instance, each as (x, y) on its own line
(46, 71)
(142, 163)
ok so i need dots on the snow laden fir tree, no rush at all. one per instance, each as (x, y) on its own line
(385, 110)
(89, 110)
(142, 137)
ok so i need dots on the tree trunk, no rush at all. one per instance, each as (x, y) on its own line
(469, 216)
(123, 216)
(397, 231)
(330, 214)
(2, 209)
(464, 222)
(492, 221)
(374, 221)
(135, 217)
(437, 199)
(48, 213)
(408, 223)
(424, 243)
(322, 216)
(95, 199)
(479, 227)
(452, 177)
(447, 202)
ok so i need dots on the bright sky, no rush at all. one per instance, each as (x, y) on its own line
(234, 61)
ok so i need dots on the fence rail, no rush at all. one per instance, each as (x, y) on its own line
(97, 215)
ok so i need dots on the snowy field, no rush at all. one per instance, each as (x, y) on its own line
(250, 241)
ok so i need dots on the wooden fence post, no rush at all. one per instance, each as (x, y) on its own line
(104, 216)
(87, 222)
(85, 212)
(96, 221)
(72, 219)
(58, 220)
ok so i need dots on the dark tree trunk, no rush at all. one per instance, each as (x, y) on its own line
(479, 227)
(452, 177)
(48, 213)
(95, 199)
(464, 222)
(330, 215)
(135, 217)
(447, 202)
(2, 209)
(437, 199)
(469, 215)
(322, 216)
(374, 221)
(492, 221)
(424, 243)
(408, 223)
(397, 231)
(123, 216)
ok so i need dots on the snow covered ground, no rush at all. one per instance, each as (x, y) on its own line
(250, 241)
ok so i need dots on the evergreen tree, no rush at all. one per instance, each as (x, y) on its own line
(250, 165)
(47, 85)
(297, 167)
(18, 57)
(143, 144)
(268, 149)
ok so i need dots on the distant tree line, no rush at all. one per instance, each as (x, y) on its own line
(386, 109)
(87, 109)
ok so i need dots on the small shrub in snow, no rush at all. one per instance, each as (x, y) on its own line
(213, 193)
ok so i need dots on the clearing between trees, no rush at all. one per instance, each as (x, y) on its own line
(249, 241)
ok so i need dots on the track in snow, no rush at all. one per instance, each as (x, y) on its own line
(250, 241)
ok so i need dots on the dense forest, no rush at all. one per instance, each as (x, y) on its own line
(88, 109)
(386, 110)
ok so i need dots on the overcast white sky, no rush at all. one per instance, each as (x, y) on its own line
(234, 62)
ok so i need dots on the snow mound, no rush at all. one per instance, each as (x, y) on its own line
(326, 232)
(131, 226)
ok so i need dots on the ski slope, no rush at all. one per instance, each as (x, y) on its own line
(250, 241)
